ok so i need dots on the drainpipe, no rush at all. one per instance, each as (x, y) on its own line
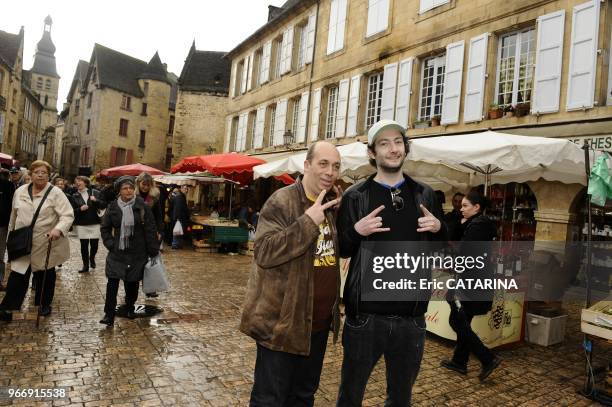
(314, 49)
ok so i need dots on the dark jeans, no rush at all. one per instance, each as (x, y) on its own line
(285, 379)
(365, 339)
(86, 253)
(112, 288)
(467, 340)
(17, 287)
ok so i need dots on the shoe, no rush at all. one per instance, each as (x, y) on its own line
(152, 295)
(452, 365)
(84, 270)
(6, 316)
(487, 370)
(131, 314)
(108, 320)
(92, 263)
(44, 311)
(59, 266)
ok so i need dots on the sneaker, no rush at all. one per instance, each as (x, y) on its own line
(452, 365)
(487, 370)
(108, 320)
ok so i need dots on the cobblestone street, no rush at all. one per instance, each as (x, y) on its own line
(193, 355)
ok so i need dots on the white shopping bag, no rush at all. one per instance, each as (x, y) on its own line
(155, 279)
(178, 229)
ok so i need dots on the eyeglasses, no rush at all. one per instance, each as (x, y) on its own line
(396, 199)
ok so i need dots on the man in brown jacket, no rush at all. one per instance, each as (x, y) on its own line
(293, 292)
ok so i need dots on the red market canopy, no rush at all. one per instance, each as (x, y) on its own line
(130, 169)
(233, 166)
(6, 159)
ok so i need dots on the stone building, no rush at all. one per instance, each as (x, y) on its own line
(329, 69)
(29, 130)
(201, 105)
(119, 112)
(11, 66)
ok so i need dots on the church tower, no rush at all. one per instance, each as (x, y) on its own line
(45, 80)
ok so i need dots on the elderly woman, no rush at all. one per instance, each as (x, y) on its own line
(87, 202)
(52, 224)
(129, 234)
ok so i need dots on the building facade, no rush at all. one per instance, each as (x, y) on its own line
(119, 112)
(201, 105)
(11, 67)
(29, 129)
(329, 69)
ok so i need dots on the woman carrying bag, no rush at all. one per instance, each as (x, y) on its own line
(40, 213)
(129, 233)
(87, 202)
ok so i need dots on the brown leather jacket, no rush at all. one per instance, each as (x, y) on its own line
(278, 306)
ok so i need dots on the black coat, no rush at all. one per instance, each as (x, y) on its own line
(90, 216)
(7, 190)
(180, 210)
(128, 264)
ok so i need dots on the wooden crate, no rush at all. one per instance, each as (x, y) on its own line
(597, 320)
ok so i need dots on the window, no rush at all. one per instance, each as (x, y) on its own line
(39, 83)
(77, 106)
(432, 87)
(14, 99)
(168, 157)
(337, 23)
(121, 155)
(295, 116)
(145, 88)
(27, 111)
(123, 127)
(278, 57)
(303, 33)
(144, 109)
(126, 101)
(171, 126)
(85, 156)
(427, 5)
(332, 110)
(374, 104)
(252, 123)
(89, 97)
(378, 16)
(516, 61)
(46, 100)
(257, 61)
(272, 121)
(88, 126)
(141, 142)
(48, 84)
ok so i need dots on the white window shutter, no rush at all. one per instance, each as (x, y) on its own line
(310, 38)
(342, 4)
(238, 141)
(383, 15)
(404, 84)
(283, 51)
(343, 92)
(372, 17)
(280, 122)
(473, 109)
(228, 134)
(302, 116)
(583, 56)
(245, 71)
(251, 61)
(333, 26)
(549, 56)
(260, 121)
(245, 128)
(426, 5)
(353, 107)
(452, 83)
(316, 111)
(233, 80)
(387, 110)
(287, 50)
(264, 72)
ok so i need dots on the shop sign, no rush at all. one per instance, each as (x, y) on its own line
(595, 142)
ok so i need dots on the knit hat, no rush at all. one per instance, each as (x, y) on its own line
(125, 179)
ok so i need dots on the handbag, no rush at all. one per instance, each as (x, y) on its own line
(154, 279)
(19, 242)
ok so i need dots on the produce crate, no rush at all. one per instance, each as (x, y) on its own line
(222, 234)
(597, 320)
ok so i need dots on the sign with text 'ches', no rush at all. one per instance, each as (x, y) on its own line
(603, 142)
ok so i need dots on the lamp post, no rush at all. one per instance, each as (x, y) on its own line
(210, 150)
(288, 138)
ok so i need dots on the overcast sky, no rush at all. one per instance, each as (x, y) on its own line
(134, 27)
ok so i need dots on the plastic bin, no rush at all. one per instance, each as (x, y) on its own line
(545, 331)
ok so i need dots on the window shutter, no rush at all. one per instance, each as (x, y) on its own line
(388, 93)
(404, 84)
(378, 16)
(341, 24)
(426, 5)
(228, 135)
(310, 38)
(303, 115)
(245, 71)
(383, 15)
(452, 83)
(251, 61)
(372, 17)
(233, 80)
(238, 141)
(113, 156)
(287, 50)
(343, 92)
(280, 122)
(260, 121)
(583, 56)
(549, 56)
(333, 22)
(264, 75)
(129, 157)
(316, 111)
(474, 89)
(353, 107)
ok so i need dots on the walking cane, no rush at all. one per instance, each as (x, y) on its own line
(42, 289)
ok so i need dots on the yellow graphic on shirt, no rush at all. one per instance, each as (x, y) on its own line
(325, 255)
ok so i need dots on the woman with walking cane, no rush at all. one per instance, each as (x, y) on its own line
(40, 214)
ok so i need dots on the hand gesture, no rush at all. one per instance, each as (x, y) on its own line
(84, 208)
(339, 192)
(317, 210)
(92, 198)
(371, 223)
(428, 223)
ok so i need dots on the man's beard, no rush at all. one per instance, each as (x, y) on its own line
(390, 169)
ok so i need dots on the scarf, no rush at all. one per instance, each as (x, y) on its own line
(127, 222)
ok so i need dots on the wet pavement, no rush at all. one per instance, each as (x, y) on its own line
(192, 354)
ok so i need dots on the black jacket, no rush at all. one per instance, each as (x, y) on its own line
(7, 190)
(355, 205)
(128, 264)
(155, 204)
(180, 210)
(90, 216)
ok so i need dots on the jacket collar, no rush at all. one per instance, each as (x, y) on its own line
(414, 185)
(299, 186)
